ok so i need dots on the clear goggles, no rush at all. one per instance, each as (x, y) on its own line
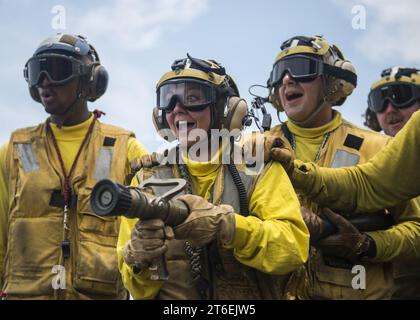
(194, 95)
(58, 69)
(401, 95)
(300, 67)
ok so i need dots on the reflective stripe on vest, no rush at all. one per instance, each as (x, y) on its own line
(344, 158)
(27, 156)
(104, 163)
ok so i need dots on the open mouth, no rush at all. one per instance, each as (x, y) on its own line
(292, 96)
(184, 125)
(47, 95)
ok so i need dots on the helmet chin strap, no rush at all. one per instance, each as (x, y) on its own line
(322, 103)
(62, 117)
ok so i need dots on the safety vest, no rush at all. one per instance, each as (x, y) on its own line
(324, 278)
(34, 264)
(227, 278)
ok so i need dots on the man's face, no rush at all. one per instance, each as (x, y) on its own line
(57, 98)
(393, 119)
(299, 99)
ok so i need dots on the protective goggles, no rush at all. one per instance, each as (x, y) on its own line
(57, 68)
(194, 95)
(401, 95)
(301, 68)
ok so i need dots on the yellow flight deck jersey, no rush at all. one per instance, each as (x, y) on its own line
(390, 177)
(272, 239)
(69, 140)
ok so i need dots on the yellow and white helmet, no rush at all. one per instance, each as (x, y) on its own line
(306, 58)
(399, 85)
(197, 84)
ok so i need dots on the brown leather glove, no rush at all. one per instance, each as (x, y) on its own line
(275, 148)
(206, 222)
(315, 224)
(347, 243)
(283, 153)
(147, 243)
(145, 161)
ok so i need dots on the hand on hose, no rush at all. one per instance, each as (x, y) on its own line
(347, 243)
(147, 243)
(316, 225)
(206, 222)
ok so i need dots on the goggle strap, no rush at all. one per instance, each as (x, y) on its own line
(339, 73)
(405, 72)
(224, 90)
(198, 64)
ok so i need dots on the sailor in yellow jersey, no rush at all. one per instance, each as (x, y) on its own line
(52, 246)
(387, 179)
(226, 249)
(393, 99)
(309, 77)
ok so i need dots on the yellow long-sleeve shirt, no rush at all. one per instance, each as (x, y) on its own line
(387, 179)
(274, 241)
(384, 181)
(69, 140)
(4, 198)
(398, 241)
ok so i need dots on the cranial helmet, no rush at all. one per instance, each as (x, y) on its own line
(197, 84)
(306, 58)
(398, 85)
(62, 58)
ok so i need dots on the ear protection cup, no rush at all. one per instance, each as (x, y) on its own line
(161, 126)
(338, 89)
(237, 111)
(33, 91)
(98, 83)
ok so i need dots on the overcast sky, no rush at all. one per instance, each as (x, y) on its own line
(138, 41)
